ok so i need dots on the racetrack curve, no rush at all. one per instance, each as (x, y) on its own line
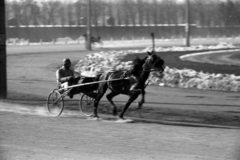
(33, 136)
(227, 57)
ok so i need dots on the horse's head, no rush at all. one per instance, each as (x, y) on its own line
(154, 62)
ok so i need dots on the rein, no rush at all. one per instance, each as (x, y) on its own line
(151, 70)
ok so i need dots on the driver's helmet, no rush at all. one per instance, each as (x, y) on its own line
(66, 60)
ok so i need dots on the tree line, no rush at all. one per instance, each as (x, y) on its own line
(122, 12)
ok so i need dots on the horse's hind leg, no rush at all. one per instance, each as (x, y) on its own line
(101, 91)
(110, 97)
(131, 99)
(140, 103)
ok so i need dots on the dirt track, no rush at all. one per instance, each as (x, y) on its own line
(26, 136)
(35, 137)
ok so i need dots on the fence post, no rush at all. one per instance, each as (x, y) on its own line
(3, 52)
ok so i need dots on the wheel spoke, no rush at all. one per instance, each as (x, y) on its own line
(86, 105)
(55, 103)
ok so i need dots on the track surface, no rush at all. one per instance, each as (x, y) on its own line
(36, 135)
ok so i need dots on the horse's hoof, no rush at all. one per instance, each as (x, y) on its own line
(139, 105)
(94, 118)
(114, 112)
(122, 120)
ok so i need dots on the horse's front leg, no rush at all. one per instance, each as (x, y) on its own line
(140, 103)
(131, 99)
(95, 113)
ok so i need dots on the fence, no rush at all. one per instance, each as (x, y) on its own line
(51, 33)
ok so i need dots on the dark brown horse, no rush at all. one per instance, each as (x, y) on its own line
(133, 86)
(89, 89)
(93, 39)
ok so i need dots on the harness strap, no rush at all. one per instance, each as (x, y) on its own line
(146, 84)
(124, 75)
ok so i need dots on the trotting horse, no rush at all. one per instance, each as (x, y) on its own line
(133, 87)
(93, 39)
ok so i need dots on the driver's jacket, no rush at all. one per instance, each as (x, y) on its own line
(63, 74)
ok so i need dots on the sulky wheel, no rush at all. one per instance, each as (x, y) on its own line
(86, 105)
(55, 103)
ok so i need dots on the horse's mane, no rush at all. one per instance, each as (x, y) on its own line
(138, 61)
(137, 65)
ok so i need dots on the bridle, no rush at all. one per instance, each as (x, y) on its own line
(152, 66)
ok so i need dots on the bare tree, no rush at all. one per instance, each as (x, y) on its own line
(155, 12)
(140, 11)
(50, 11)
(237, 7)
(198, 8)
(148, 12)
(35, 13)
(132, 9)
(204, 12)
(109, 11)
(230, 12)
(21, 10)
(120, 13)
(81, 11)
(62, 12)
(8, 10)
(125, 13)
(70, 11)
(210, 13)
(97, 11)
(170, 16)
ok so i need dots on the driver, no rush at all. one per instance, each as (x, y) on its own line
(65, 76)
